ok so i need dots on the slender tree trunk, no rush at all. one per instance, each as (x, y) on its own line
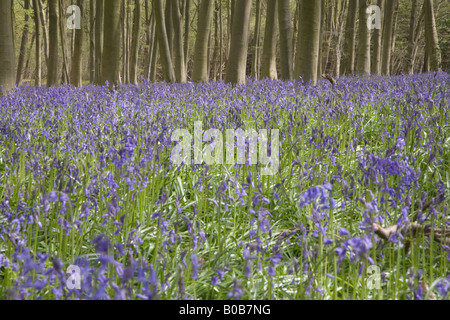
(99, 22)
(348, 58)
(150, 21)
(125, 50)
(307, 56)
(387, 36)
(200, 72)
(294, 33)
(363, 65)
(27, 73)
(65, 77)
(76, 78)
(92, 41)
(239, 43)
(187, 29)
(431, 37)
(285, 27)
(321, 32)
(256, 41)
(269, 59)
(154, 59)
(7, 57)
(338, 35)
(166, 60)
(135, 42)
(44, 32)
(414, 33)
(37, 30)
(111, 43)
(377, 37)
(23, 44)
(180, 66)
(52, 73)
(169, 25)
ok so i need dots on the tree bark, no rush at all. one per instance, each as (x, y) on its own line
(180, 66)
(431, 37)
(285, 27)
(99, 22)
(52, 73)
(23, 44)
(239, 43)
(7, 56)
(256, 41)
(111, 43)
(92, 41)
(377, 37)
(387, 36)
(200, 71)
(135, 42)
(38, 57)
(76, 77)
(269, 59)
(363, 65)
(166, 60)
(348, 58)
(307, 56)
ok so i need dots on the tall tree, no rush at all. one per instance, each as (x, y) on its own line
(76, 76)
(431, 38)
(200, 71)
(99, 23)
(239, 43)
(363, 65)
(269, 59)
(387, 36)
(52, 72)
(38, 56)
(166, 59)
(23, 43)
(180, 66)
(135, 42)
(111, 43)
(307, 53)
(348, 57)
(285, 27)
(7, 63)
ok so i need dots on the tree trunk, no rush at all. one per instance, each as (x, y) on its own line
(76, 78)
(431, 37)
(125, 51)
(7, 63)
(180, 66)
(412, 47)
(387, 36)
(187, 9)
(169, 25)
(239, 43)
(377, 37)
(65, 77)
(111, 43)
(52, 73)
(135, 42)
(256, 41)
(285, 27)
(363, 65)
(269, 55)
(307, 56)
(200, 71)
(348, 57)
(37, 22)
(92, 41)
(99, 22)
(23, 44)
(166, 60)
